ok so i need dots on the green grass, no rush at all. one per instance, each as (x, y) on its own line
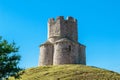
(68, 72)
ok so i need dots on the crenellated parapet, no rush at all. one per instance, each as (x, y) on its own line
(52, 21)
(63, 27)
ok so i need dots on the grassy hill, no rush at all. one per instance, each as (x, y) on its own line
(69, 72)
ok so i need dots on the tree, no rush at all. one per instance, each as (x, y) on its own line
(9, 60)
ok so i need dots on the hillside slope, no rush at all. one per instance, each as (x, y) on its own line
(69, 72)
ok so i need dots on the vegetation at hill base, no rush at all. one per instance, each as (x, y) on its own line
(9, 60)
(68, 72)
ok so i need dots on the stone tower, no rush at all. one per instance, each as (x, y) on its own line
(62, 46)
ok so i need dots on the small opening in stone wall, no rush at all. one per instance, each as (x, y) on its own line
(69, 48)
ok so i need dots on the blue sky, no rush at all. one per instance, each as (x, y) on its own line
(25, 22)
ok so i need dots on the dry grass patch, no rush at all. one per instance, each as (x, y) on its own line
(68, 72)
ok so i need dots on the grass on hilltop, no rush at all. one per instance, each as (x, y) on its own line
(68, 72)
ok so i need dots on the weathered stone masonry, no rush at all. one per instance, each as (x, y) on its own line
(62, 46)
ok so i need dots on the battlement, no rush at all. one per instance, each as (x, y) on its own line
(61, 27)
(52, 21)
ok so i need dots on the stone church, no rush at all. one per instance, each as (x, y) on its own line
(62, 46)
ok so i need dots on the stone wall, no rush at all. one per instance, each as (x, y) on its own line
(63, 28)
(46, 54)
(62, 46)
(82, 55)
(63, 52)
